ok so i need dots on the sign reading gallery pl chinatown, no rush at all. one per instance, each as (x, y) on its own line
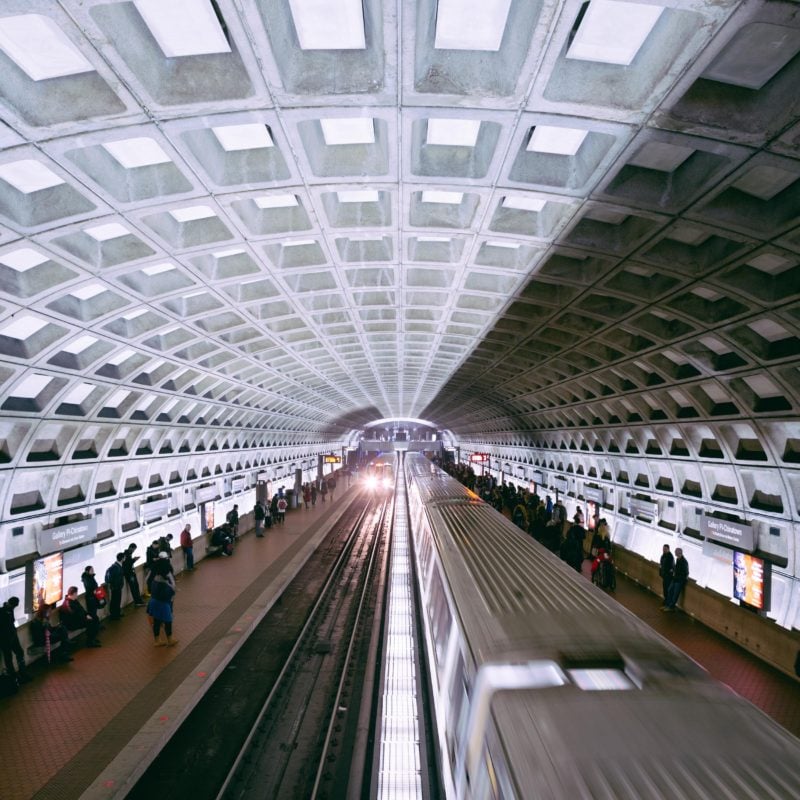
(735, 534)
(51, 540)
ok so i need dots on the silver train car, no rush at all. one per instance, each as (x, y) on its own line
(545, 687)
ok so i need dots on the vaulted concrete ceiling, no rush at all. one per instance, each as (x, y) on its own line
(500, 215)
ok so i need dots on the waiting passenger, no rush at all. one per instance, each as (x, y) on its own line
(52, 633)
(9, 640)
(76, 618)
(680, 578)
(666, 568)
(160, 605)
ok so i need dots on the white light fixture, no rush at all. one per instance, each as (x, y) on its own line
(102, 233)
(470, 24)
(23, 259)
(558, 141)
(141, 151)
(612, 32)
(28, 176)
(348, 130)
(40, 48)
(80, 344)
(276, 201)
(453, 132)
(524, 203)
(23, 327)
(252, 136)
(88, 292)
(192, 213)
(137, 312)
(329, 24)
(32, 386)
(78, 394)
(444, 198)
(158, 269)
(299, 243)
(122, 356)
(358, 196)
(504, 245)
(433, 239)
(183, 27)
(234, 251)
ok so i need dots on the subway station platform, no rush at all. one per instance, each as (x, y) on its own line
(88, 728)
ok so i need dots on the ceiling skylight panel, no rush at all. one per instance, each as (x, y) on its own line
(32, 386)
(158, 269)
(88, 292)
(23, 327)
(183, 27)
(358, 196)
(252, 136)
(141, 151)
(558, 141)
(102, 233)
(453, 132)
(40, 48)
(192, 213)
(445, 198)
(276, 201)
(121, 357)
(348, 130)
(80, 344)
(329, 24)
(23, 259)
(28, 175)
(78, 394)
(612, 32)
(524, 203)
(471, 24)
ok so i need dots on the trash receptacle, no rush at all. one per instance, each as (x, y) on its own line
(291, 499)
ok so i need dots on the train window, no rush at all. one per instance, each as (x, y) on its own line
(599, 680)
(439, 613)
(458, 709)
(492, 781)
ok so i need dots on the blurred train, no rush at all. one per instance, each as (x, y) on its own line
(380, 475)
(545, 687)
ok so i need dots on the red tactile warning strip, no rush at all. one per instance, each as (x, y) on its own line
(63, 729)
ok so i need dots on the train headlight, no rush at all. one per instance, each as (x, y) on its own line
(372, 482)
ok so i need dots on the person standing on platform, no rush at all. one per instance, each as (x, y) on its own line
(666, 567)
(115, 579)
(9, 641)
(680, 578)
(187, 545)
(282, 505)
(306, 495)
(129, 570)
(151, 558)
(232, 518)
(313, 494)
(323, 489)
(332, 486)
(90, 586)
(258, 518)
(159, 607)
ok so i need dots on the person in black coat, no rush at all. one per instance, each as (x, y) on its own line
(90, 586)
(680, 578)
(666, 567)
(115, 578)
(9, 640)
(74, 617)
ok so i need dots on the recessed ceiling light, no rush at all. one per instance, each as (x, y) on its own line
(29, 176)
(453, 132)
(276, 201)
(524, 203)
(137, 312)
(433, 239)
(470, 24)
(252, 136)
(89, 291)
(191, 213)
(183, 27)
(23, 259)
(80, 344)
(78, 394)
(299, 243)
(23, 327)
(358, 196)
(32, 386)
(102, 233)
(771, 263)
(141, 151)
(348, 130)
(559, 141)
(445, 198)
(157, 269)
(40, 48)
(769, 329)
(121, 356)
(506, 245)
(329, 24)
(612, 32)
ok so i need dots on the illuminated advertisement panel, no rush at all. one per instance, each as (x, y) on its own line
(47, 585)
(751, 580)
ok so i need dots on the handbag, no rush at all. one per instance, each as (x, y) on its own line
(100, 596)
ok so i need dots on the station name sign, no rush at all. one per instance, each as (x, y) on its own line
(52, 540)
(734, 534)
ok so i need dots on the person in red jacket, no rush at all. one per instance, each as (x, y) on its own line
(187, 546)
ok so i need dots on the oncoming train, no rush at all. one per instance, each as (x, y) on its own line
(545, 687)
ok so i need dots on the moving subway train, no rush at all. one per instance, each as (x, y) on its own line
(545, 687)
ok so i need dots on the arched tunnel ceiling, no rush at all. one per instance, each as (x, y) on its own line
(500, 215)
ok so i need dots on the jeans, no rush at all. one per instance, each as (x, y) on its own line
(188, 557)
(675, 589)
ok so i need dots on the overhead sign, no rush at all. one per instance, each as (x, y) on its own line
(560, 484)
(537, 477)
(238, 484)
(331, 459)
(594, 494)
(205, 493)
(735, 534)
(52, 540)
(643, 508)
(155, 509)
(479, 458)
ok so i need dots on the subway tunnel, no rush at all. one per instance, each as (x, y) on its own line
(235, 234)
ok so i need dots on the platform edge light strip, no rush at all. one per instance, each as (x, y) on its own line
(399, 772)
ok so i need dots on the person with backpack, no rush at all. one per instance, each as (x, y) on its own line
(282, 505)
(115, 580)
(258, 518)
